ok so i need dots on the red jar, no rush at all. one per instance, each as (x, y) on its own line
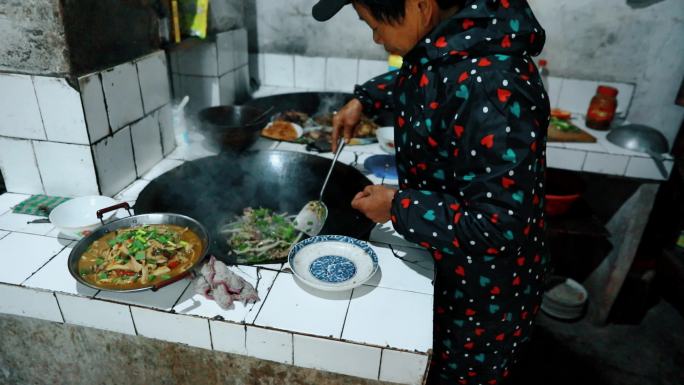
(602, 108)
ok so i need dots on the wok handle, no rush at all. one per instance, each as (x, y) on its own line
(659, 161)
(122, 205)
(171, 280)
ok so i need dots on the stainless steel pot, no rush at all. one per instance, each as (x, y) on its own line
(637, 137)
(131, 221)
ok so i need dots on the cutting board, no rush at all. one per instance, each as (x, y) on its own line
(556, 135)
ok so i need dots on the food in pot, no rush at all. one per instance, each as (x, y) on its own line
(366, 128)
(280, 130)
(261, 235)
(141, 256)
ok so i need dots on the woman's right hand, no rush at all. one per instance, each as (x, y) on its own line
(346, 121)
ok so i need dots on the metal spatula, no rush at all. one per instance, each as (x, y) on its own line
(312, 217)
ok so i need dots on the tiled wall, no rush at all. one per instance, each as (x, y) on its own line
(291, 73)
(94, 137)
(212, 72)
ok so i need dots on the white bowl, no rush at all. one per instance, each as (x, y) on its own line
(333, 262)
(385, 137)
(77, 218)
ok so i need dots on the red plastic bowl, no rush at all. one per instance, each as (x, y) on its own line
(559, 204)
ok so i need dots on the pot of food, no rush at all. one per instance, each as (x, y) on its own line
(140, 252)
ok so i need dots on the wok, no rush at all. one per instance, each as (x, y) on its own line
(233, 127)
(641, 138)
(312, 103)
(214, 190)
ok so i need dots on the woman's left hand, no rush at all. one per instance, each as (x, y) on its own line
(375, 202)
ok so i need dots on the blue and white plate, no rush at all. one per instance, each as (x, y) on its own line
(333, 262)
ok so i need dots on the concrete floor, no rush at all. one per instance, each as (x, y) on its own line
(579, 353)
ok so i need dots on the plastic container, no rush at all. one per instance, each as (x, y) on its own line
(602, 108)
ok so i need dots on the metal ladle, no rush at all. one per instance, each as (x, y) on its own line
(312, 217)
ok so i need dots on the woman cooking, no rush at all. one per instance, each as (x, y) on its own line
(470, 132)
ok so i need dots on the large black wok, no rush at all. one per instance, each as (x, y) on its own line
(214, 190)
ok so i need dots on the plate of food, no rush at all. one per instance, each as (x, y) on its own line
(314, 128)
(333, 262)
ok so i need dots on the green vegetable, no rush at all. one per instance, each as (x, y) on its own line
(140, 256)
(99, 261)
(102, 275)
(151, 277)
(83, 273)
(564, 125)
(165, 276)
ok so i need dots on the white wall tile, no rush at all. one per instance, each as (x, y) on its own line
(228, 337)
(168, 135)
(114, 162)
(341, 74)
(130, 193)
(318, 313)
(199, 60)
(19, 167)
(96, 314)
(122, 95)
(606, 163)
(163, 299)
(624, 98)
(413, 273)
(29, 303)
(575, 95)
(172, 327)
(370, 309)
(147, 148)
(369, 69)
(9, 200)
(192, 303)
(21, 223)
(243, 88)
(162, 167)
(278, 70)
(225, 45)
(565, 159)
(19, 112)
(403, 367)
(646, 168)
(337, 357)
(61, 109)
(241, 47)
(554, 90)
(309, 72)
(94, 108)
(271, 345)
(23, 254)
(202, 91)
(227, 89)
(55, 276)
(153, 75)
(66, 169)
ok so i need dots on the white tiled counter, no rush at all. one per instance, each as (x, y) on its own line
(381, 330)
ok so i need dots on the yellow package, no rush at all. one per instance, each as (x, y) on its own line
(194, 15)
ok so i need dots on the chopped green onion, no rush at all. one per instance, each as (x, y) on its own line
(140, 255)
(165, 276)
(151, 277)
(99, 261)
(102, 275)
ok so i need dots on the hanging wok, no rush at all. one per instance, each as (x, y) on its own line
(214, 190)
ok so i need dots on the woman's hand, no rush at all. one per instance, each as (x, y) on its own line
(345, 122)
(375, 202)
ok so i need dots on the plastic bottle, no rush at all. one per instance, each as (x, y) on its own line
(602, 108)
(544, 72)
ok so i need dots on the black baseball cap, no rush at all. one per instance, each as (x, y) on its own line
(325, 9)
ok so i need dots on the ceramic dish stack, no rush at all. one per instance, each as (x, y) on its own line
(564, 299)
(333, 262)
